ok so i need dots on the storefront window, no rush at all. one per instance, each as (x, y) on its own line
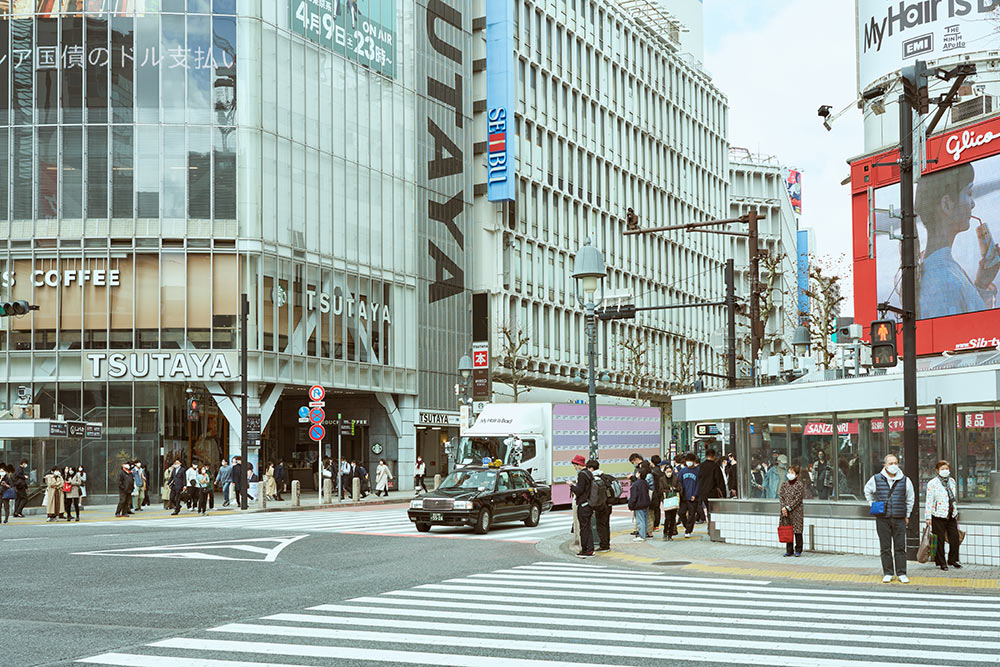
(977, 452)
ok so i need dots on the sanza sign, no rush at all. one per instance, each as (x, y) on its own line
(892, 34)
(500, 100)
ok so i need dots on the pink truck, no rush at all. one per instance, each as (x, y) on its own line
(544, 437)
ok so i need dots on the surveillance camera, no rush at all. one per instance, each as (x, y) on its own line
(827, 125)
(824, 111)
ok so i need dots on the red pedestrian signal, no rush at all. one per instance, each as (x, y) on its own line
(883, 337)
(194, 408)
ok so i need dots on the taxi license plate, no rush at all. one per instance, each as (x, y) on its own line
(437, 517)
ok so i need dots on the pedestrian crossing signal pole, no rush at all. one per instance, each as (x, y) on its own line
(244, 483)
(340, 478)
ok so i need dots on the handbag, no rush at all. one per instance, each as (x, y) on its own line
(878, 506)
(67, 487)
(786, 534)
(924, 550)
(8, 493)
(672, 503)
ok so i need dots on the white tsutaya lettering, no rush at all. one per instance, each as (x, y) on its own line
(220, 366)
(180, 365)
(116, 365)
(139, 365)
(200, 361)
(161, 363)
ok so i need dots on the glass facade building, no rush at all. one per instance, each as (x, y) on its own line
(161, 158)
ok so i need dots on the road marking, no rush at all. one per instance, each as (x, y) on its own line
(23, 539)
(132, 660)
(206, 550)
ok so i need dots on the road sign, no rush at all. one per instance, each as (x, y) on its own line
(316, 432)
(347, 427)
(316, 404)
(316, 393)
(316, 415)
(304, 412)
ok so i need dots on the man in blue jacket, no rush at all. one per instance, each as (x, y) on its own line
(689, 497)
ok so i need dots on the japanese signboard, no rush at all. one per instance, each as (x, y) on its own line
(481, 389)
(360, 30)
(500, 74)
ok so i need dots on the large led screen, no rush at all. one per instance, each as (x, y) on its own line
(958, 225)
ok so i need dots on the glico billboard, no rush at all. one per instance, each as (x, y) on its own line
(957, 204)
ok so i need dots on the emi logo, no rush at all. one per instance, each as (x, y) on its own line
(918, 45)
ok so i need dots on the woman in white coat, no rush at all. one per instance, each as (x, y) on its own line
(382, 477)
(941, 514)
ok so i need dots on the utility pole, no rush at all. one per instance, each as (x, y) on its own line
(244, 312)
(731, 323)
(756, 326)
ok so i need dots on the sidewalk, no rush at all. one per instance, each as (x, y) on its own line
(699, 554)
(309, 501)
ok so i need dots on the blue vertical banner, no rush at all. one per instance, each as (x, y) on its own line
(500, 99)
(802, 239)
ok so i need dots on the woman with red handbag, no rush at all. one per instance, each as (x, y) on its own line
(792, 512)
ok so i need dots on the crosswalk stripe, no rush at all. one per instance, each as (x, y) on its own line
(677, 585)
(636, 599)
(380, 655)
(539, 612)
(630, 628)
(629, 645)
(573, 569)
(137, 660)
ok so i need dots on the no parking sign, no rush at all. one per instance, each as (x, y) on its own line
(316, 432)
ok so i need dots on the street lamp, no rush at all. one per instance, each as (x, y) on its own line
(465, 370)
(588, 273)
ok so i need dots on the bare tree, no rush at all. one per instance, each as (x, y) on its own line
(514, 360)
(825, 300)
(635, 348)
(771, 288)
(684, 373)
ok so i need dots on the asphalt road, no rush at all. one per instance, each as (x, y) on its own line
(58, 606)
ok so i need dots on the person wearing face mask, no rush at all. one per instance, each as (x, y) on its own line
(941, 514)
(671, 500)
(790, 496)
(419, 470)
(689, 497)
(894, 491)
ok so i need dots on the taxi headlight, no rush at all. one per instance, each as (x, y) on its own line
(463, 504)
(417, 504)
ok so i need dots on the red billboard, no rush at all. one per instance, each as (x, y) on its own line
(957, 206)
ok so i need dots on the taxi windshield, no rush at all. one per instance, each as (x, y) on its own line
(470, 479)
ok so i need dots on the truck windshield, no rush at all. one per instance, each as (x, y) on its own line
(470, 479)
(474, 450)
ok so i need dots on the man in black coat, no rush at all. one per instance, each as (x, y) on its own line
(178, 480)
(21, 477)
(279, 478)
(239, 481)
(125, 485)
(711, 481)
(581, 490)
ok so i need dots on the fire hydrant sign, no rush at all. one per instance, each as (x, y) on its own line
(361, 30)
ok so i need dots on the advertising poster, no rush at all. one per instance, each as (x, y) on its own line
(958, 222)
(892, 34)
(794, 185)
(360, 30)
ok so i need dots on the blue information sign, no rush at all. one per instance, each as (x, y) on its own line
(303, 412)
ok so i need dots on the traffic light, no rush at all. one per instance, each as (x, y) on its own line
(194, 409)
(883, 335)
(631, 219)
(915, 86)
(20, 307)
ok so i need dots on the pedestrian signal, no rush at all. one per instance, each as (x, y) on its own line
(194, 408)
(883, 337)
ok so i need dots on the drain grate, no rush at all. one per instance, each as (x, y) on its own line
(672, 563)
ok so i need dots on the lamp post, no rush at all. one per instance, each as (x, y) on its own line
(465, 371)
(588, 273)
(801, 341)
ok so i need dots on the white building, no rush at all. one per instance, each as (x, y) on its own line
(760, 181)
(610, 114)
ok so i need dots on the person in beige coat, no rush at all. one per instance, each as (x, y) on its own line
(54, 499)
(72, 496)
(270, 485)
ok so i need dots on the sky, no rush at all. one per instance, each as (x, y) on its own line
(777, 62)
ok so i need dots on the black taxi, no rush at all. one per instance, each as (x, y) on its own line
(480, 496)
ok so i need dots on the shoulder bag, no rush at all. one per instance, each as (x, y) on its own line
(878, 506)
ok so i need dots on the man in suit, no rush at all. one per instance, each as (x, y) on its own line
(125, 485)
(178, 480)
(21, 479)
(239, 480)
(711, 481)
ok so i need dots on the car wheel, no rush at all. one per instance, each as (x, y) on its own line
(423, 527)
(534, 514)
(483, 522)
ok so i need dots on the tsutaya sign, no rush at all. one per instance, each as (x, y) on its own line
(160, 366)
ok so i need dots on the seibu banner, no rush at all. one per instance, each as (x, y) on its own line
(892, 34)
(924, 423)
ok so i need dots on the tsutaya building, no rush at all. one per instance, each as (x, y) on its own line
(164, 156)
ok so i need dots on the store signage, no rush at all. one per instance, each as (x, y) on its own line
(481, 371)
(58, 429)
(67, 278)
(76, 429)
(366, 309)
(93, 431)
(359, 30)
(500, 100)
(159, 366)
(957, 144)
(437, 418)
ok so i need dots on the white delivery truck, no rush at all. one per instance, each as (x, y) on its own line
(543, 438)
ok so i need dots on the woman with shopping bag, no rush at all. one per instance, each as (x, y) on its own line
(941, 514)
(790, 496)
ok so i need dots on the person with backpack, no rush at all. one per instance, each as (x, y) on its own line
(638, 500)
(671, 500)
(659, 488)
(601, 499)
(581, 489)
(689, 497)
(891, 495)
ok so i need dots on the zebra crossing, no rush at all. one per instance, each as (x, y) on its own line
(557, 614)
(389, 522)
